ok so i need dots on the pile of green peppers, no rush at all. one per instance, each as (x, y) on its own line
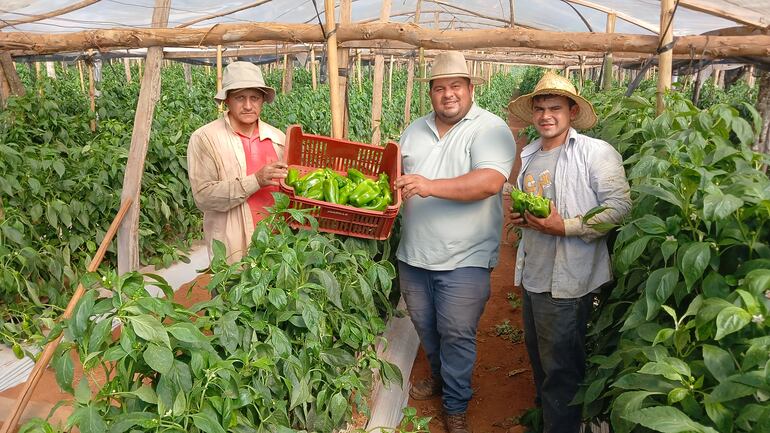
(535, 204)
(355, 189)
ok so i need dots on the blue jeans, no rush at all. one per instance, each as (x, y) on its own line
(554, 333)
(445, 307)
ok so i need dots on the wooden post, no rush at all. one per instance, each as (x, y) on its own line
(512, 23)
(763, 107)
(127, 68)
(665, 58)
(288, 74)
(359, 72)
(344, 68)
(92, 94)
(312, 68)
(50, 70)
(607, 68)
(332, 69)
(80, 72)
(379, 72)
(149, 93)
(390, 81)
(187, 70)
(140, 65)
(750, 75)
(219, 68)
(10, 77)
(422, 83)
(409, 87)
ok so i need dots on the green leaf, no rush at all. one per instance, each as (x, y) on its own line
(89, 420)
(626, 403)
(300, 393)
(659, 192)
(14, 235)
(337, 357)
(717, 206)
(180, 404)
(65, 369)
(83, 392)
(666, 419)
(660, 285)
(58, 167)
(126, 421)
(694, 261)
(743, 130)
(188, 333)
(728, 391)
(631, 252)
(159, 358)
(651, 224)
(146, 394)
(731, 319)
(338, 405)
(82, 314)
(149, 328)
(207, 423)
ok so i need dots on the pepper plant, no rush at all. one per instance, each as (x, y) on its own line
(287, 344)
(680, 343)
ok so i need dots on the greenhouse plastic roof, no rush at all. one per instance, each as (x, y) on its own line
(553, 15)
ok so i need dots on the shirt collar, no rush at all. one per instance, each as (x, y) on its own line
(265, 131)
(473, 113)
(536, 145)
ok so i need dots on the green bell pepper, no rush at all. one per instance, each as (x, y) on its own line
(356, 176)
(316, 192)
(365, 192)
(380, 203)
(292, 177)
(345, 191)
(534, 204)
(331, 190)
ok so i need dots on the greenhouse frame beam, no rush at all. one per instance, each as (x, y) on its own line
(740, 15)
(54, 13)
(622, 15)
(714, 46)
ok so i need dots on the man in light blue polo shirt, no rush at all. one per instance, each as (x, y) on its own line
(455, 162)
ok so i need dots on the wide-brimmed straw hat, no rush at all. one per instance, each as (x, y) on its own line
(451, 64)
(553, 84)
(244, 75)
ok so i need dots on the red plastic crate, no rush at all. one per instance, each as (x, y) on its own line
(307, 152)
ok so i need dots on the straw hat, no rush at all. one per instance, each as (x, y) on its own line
(244, 75)
(451, 64)
(553, 84)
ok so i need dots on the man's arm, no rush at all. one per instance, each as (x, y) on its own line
(476, 185)
(608, 180)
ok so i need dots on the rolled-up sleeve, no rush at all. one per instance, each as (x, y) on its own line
(213, 190)
(608, 180)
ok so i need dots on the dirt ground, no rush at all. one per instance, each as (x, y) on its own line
(503, 387)
(502, 381)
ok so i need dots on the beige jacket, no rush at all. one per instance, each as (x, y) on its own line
(217, 170)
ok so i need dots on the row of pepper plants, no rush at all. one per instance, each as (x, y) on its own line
(680, 342)
(287, 343)
(60, 182)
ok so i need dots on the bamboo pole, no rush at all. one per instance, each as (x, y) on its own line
(288, 74)
(607, 68)
(332, 69)
(312, 68)
(750, 76)
(390, 80)
(10, 75)
(665, 58)
(409, 86)
(379, 72)
(219, 68)
(45, 357)
(127, 69)
(92, 95)
(80, 73)
(187, 70)
(149, 93)
(359, 72)
(344, 68)
(512, 23)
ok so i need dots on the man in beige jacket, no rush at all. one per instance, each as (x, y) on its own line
(235, 162)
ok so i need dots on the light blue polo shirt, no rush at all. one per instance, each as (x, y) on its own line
(439, 234)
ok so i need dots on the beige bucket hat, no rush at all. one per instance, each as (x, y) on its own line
(451, 64)
(554, 84)
(244, 75)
